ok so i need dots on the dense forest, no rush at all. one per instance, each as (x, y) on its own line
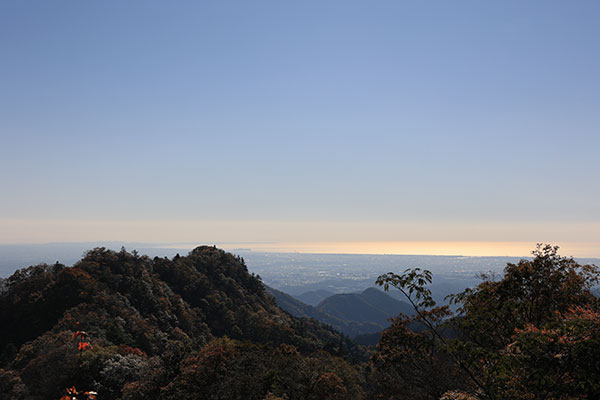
(119, 325)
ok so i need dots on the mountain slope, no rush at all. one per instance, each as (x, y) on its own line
(370, 306)
(301, 310)
(148, 321)
(314, 297)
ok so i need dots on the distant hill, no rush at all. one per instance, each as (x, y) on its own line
(301, 310)
(298, 308)
(314, 297)
(368, 339)
(354, 314)
(371, 306)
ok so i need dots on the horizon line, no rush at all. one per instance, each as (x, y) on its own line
(514, 249)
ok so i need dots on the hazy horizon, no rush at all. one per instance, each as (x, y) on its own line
(467, 249)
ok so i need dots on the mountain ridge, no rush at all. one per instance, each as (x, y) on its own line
(371, 305)
(354, 314)
(132, 327)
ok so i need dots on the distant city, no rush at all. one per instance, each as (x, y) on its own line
(292, 273)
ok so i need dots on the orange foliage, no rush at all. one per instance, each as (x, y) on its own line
(72, 393)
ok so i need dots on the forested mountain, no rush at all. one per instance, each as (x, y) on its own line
(132, 327)
(372, 306)
(354, 314)
(118, 325)
(299, 309)
(314, 297)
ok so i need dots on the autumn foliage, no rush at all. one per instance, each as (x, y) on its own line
(532, 334)
(73, 394)
(154, 324)
(128, 327)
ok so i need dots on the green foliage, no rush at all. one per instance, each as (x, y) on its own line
(412, 285)
(149, 320)
(532, 334)
(229, 369)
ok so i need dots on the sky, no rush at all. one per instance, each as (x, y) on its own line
(271, 122)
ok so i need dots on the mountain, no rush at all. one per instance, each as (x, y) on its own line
(300, 310)
(370, 306)
(314, 297)
(133, 327)
(354, 314)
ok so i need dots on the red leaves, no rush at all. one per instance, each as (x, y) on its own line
(82, 344)
(72, 394)
(82, 335)
(124, 350)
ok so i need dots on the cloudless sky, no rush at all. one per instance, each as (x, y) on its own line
(314, 121)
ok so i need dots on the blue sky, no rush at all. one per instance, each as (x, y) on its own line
(291, 121)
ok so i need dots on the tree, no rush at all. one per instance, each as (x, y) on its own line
(534, 333)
